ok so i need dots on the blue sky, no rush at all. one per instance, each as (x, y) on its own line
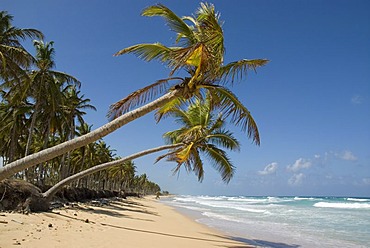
(311, 102)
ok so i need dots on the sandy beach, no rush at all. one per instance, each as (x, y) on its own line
(134, 222)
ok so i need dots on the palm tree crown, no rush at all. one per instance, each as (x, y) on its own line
(203, 133)
(13, 56)
(200, 52)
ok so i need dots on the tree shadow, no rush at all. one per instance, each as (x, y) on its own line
(258, 243)
(110, 209)
(130, 203)
(130, 206)
(223, 241)
(86, 207)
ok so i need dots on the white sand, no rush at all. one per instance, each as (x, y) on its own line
(128, 223)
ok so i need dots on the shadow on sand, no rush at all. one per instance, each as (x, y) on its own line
(255, 242)
(223, 241)
(113, 208)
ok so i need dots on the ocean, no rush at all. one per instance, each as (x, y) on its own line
(283, 222)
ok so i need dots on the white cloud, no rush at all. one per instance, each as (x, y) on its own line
(366, 181)
(296, 179)
(299, 164)
(347, 155)
(356, 99)
(329, 177)
(269, 169)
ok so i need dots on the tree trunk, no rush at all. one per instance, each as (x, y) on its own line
(51, 192)
(52, 152)
(32, 127)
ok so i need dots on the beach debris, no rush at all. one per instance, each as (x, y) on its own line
(99, 202)
(87, 221)
(50, 225)
(3, 222)
(17, 221)
(54, 205)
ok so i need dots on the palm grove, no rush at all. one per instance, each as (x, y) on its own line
(60, 144)
(41, 107)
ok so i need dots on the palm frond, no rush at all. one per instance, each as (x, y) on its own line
(148, 52)
(64, 77)
(169, 108)
(184, 154)
(240, 68)
(218, 123)
(139, 97)
(230, 105)
(175, 23)
(168, 155)
(220, 161)
(24, 33)
(197, 165)
(171, 154)
(210, 29)
(224, 139)
(188, 56)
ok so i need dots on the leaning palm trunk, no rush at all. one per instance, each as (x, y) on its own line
(52, 152)
(51, 192)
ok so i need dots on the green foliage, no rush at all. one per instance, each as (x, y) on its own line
(199, 51)
(204, 134)
(14, 58)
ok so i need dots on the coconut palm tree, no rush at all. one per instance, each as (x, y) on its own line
(74, 106)
(46, 82)
(202, 132)
(14, 58)
(122, 174)
(140, 183)
(201, 56)
(51, 192)
(12, 132)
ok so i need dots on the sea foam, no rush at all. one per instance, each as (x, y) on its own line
(342, 205)
(301, 221)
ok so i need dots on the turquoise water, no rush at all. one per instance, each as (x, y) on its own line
(284, 222)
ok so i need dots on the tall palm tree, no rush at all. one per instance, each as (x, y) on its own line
(81, 158)
(121, 175)
(12, 130)
(14, 58)
(45, 82)
(141, 182)
(72, 110)
(201, 56)
(74, 106)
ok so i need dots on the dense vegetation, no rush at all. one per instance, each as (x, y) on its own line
(41, 107)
